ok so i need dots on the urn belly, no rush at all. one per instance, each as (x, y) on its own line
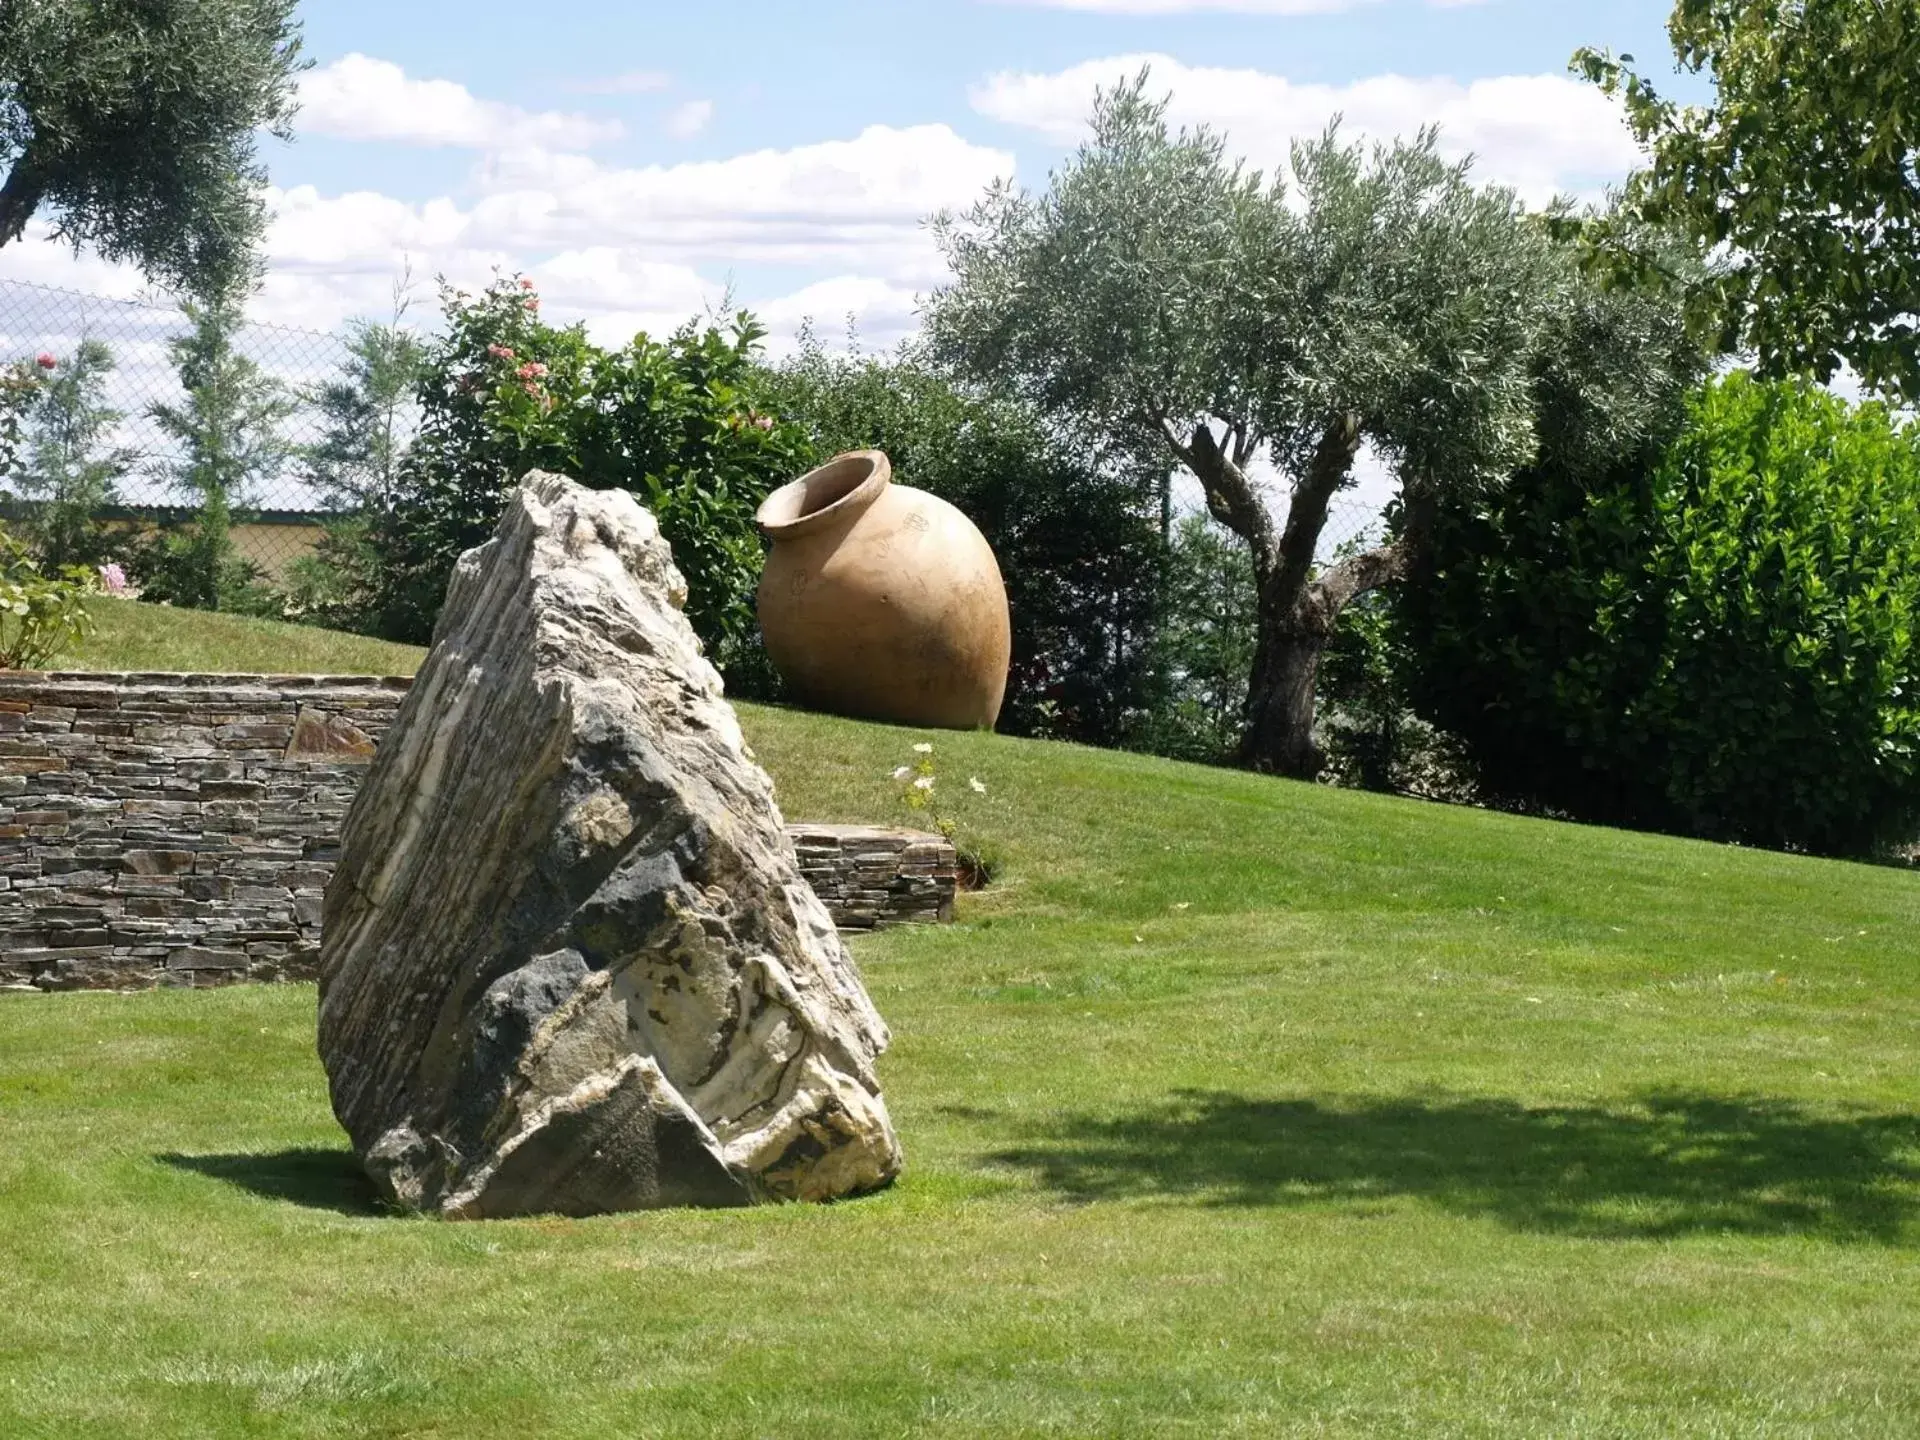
(882, 601)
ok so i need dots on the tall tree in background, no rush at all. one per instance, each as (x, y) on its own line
(365, 414)
(134, 123)
(1509, 623)
(362, 414)
(1204, 647)
(1163, 295)
(69, 467)
(229, 434)
(1800, 173)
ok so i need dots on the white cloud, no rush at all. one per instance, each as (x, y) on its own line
(688, 120)
(1538, 133)
(620, 293)
(843, 204)
(624, 247)
(36, 259)
(880, 314)
(360, 98)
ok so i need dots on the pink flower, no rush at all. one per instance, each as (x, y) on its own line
(532, 370)
(525, 283)
(113, 579)
(45, 360)
(499, 352)
(532, 302)
(532, 387)
(763, 422)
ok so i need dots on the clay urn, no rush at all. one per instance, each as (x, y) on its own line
(881, 601)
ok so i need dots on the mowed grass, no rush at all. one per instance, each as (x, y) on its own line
(1238, 1108)
(131, 635)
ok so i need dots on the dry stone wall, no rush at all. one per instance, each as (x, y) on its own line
(160, 829)
(872, 877)
(168, 829)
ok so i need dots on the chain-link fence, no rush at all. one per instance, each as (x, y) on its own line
(1356, 518)
(117, 428)
(139, 467)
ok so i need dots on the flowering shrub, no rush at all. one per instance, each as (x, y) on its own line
(40, 615)
(19, 387)
(675, 422)
(923, 796)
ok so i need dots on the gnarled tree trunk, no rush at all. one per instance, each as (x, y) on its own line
(1298, 609)
(1280, 697)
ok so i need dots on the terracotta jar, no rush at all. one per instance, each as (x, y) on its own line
(881, 601)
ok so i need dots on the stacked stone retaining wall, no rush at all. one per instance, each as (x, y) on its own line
(181, 829)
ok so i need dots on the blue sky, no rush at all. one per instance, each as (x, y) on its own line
(638, 159)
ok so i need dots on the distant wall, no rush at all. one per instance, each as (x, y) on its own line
(272, 544)
(181, 829)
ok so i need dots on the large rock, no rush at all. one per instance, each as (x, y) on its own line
(569, 965)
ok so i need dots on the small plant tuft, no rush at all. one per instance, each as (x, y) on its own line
(924, 797)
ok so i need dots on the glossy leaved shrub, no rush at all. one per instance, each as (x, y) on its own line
(1721, 643)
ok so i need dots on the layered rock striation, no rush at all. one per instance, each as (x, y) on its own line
(568, 962)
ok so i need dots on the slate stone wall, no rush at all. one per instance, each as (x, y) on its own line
(168, 829)
(181, 829)
(870, 877)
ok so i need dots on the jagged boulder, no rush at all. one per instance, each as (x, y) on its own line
(569, 965)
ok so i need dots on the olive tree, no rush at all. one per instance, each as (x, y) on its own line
(1169, 297)
(134, 123)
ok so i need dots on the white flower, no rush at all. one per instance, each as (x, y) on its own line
(923, 749)
(905, 772)
(925, 782)
(977, 785)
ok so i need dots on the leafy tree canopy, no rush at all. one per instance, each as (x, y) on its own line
(1162, 293)
(1801, 173)
(134, 123)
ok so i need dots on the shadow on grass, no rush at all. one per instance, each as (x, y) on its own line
(1666, 1164)
(318, 1179)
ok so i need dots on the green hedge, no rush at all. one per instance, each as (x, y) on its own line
(1720, 645)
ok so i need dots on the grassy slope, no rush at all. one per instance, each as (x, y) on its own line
(1240, 1108)
(133, 636)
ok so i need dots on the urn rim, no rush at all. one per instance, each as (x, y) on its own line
(834, 492)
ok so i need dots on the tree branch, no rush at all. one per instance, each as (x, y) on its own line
(1307, 516)
(20, 196)
(1231, 496)
(1356, 575)
(1244, 444)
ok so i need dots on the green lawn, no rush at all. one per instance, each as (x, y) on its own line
(1239, 1108)
(129, 635)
